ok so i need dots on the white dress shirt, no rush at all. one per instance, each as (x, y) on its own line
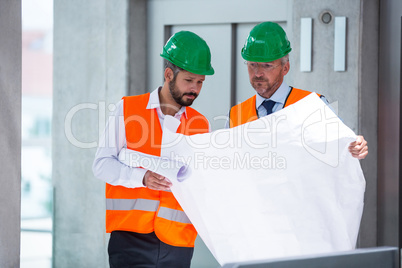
(106, 165)
(279, 97)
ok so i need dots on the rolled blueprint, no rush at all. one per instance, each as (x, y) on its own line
(283, 185)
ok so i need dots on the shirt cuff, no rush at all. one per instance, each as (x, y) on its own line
(137, 177)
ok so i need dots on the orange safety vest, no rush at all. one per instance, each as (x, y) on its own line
(246, 111)
(143, 210)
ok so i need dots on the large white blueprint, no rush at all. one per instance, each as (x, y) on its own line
(283, 185)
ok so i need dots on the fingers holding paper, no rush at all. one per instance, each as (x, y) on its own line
(359, 148)
(155, 181)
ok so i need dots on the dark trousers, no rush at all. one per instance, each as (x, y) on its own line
(128, 249)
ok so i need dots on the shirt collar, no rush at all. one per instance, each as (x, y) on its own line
(280, 95)
(154, 103)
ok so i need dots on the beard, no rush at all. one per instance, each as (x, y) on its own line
(262, 86)
(255, 82)
(179, 97)
(265, 87)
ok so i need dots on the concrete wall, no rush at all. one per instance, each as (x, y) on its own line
(336, 86)
(90, 72)
(10, 134)
(353, 92)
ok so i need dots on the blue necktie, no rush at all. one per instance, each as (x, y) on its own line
(268, 105)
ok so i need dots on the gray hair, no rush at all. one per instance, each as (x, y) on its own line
(285, 59)
(176, 69)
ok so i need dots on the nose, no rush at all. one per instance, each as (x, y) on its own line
(258, 72)
(197, 87)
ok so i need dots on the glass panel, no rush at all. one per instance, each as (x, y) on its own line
(36, 181)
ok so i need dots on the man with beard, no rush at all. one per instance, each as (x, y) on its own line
(266, 52)
(147, 225)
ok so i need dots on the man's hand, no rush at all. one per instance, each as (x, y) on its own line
(155, 181)
(359, 148)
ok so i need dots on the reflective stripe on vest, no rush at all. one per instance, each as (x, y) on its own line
(132, 204)
(173, 215)
(141, 209)
(147, 205)
(246, 111)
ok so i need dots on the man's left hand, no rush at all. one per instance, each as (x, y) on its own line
(359, 148)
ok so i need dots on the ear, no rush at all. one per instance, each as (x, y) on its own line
(168, 74)
(286, 68)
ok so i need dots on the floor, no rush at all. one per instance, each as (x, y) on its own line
(36, 243)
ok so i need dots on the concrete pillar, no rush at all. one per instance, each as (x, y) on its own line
(353, 92)
(10, 134)
(90, 72)
(368, 115)
(389, 125)
(138, 49)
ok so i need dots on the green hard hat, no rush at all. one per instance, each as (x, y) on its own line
(266, 42)
(190, 52)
